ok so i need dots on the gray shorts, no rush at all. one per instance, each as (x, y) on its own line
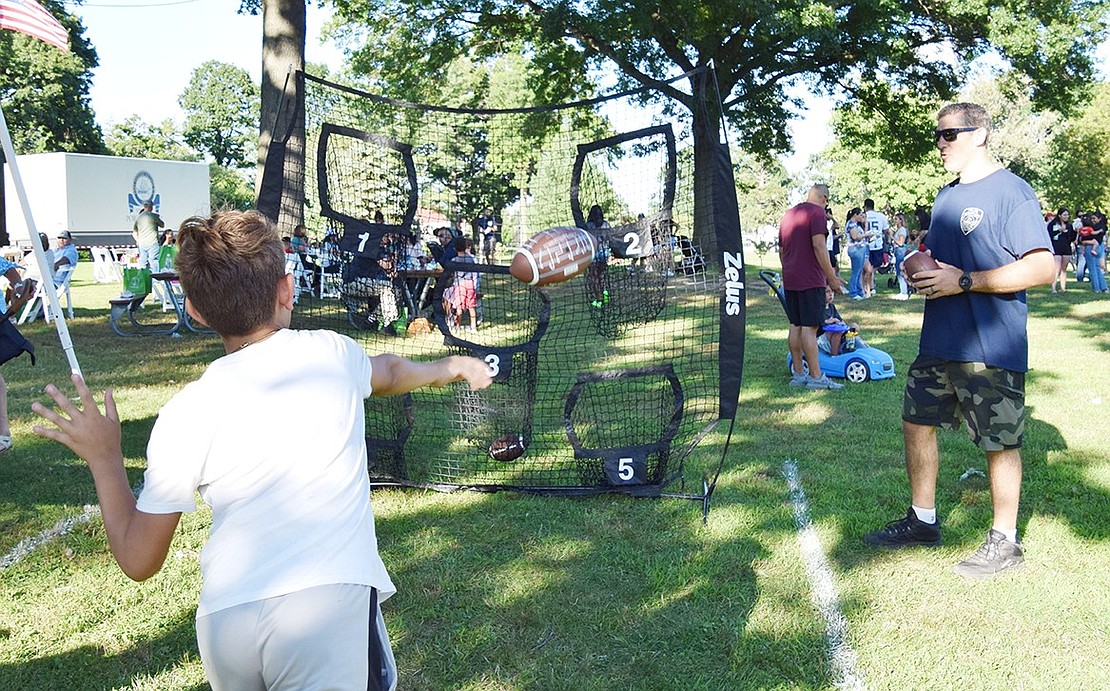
(941, 393)
(327, 637)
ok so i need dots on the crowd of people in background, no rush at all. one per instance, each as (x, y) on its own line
(875, 246)
(1080, 243)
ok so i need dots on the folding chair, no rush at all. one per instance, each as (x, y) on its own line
(331, 274)
(105, 267)
(38, 301)
(302, 277)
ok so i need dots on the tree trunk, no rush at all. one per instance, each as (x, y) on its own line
(706, 130)
(283, 42)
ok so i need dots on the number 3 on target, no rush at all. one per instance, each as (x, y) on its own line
(494, 362)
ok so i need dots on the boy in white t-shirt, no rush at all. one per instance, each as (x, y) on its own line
(292, 554)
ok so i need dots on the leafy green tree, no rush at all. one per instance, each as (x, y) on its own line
(762, 189)
(45, 90)
(230, 189)
(855, 173)
(871, 52)
(1076, 173)
(221, 112)
(137, 139)
(549, 203)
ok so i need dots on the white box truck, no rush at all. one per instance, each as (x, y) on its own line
(98, 197)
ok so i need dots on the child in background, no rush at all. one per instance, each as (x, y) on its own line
(836, 335)
(465, 293)
(292, 578)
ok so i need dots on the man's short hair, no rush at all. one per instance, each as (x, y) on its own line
(869, 204)
(969, 114)
(148, 205)
(230, 266)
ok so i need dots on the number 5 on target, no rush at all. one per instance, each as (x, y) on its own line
(626, 470)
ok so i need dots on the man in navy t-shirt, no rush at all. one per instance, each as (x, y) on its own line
(987, 236)
(806, 270)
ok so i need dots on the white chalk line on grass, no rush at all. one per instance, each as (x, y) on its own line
(62, 527)
(842, 659)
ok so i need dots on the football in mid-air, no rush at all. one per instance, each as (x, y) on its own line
(507, 448)
(553, 255)
(918, 261)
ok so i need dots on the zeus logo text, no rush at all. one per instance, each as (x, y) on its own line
(734, 282)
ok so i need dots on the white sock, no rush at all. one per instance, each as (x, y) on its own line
(1011, 535)
(925, 515)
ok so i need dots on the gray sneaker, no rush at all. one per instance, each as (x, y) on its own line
(799, 379)
(823, 383)
(993, 557)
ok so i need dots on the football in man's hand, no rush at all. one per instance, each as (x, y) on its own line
(553, 255)
(918, 261)
(507, 448)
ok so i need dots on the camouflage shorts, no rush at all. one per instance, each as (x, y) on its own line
(942, 393)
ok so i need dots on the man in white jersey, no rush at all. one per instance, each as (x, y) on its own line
(876, 226)
(292, 579)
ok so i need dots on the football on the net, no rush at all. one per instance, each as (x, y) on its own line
(553, 255)
(918, 261)
(506, 448)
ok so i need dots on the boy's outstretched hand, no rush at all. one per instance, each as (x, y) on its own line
(91, 435)
(475, 372)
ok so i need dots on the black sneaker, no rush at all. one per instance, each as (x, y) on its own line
(993, 557)
(905, 532)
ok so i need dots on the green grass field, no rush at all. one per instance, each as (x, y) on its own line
(505, 591)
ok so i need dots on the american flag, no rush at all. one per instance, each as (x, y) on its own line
(27, 16)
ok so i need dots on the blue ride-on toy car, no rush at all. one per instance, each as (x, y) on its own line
(859, 365)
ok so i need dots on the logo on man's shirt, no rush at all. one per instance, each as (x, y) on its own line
(970, 218)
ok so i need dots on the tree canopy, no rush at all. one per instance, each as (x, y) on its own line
(221, 112)
(871, 52)
(45, 90)
(137, 139)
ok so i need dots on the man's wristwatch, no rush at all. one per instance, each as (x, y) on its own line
(965, 282)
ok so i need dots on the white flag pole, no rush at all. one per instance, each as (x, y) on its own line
(45, 270)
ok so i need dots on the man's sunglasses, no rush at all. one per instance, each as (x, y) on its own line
(949, 134)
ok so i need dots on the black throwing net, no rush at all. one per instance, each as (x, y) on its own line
(607, 380)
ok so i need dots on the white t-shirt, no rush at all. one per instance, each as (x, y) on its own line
(273, 438)
(877, 224)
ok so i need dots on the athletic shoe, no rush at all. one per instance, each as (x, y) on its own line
(858, 297)
(799, 379)
(5, 443)
(994, 556)
(823, 383)
(899, 296)
(905, 532)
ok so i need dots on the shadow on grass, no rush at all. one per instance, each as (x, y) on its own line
(91, 668)
(40, 473)
(594, 593)
(849, 444)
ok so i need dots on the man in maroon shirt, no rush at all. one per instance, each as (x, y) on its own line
(806, 271)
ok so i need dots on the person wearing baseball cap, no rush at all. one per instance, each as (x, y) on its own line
(65, 257)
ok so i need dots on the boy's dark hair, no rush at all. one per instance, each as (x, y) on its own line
(461, 244)
(230, 266)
